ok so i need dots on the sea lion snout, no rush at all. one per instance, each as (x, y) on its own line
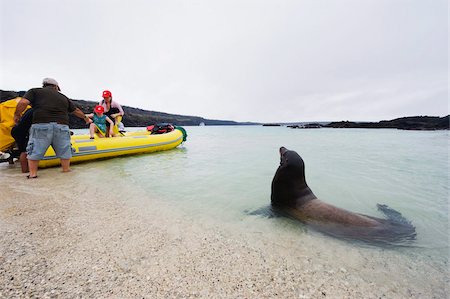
(283, 150)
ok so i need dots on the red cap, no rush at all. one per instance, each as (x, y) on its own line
(99, 109)
(107, 94)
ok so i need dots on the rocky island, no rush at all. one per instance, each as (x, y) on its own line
(403, 123)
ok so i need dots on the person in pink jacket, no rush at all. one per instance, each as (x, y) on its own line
(112, 108)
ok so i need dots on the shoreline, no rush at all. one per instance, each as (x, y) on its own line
(57, 239)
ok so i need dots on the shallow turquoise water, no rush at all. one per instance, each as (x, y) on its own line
(221, 172)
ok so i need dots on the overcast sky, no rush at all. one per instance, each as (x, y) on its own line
(261, 60)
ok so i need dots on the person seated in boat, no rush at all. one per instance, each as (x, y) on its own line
(112, 109)
(98, 125)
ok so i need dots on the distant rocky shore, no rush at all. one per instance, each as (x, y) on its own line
(403, 123)
(135, 117)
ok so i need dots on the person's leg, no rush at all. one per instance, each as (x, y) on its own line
(40, 139)
(107, 129)
(22, 141)
(62, 145)
(33, 167)
(92, 130)
(23, 162)
(100, 133)
(65, 163)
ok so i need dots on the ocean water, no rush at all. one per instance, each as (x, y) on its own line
(221, 173)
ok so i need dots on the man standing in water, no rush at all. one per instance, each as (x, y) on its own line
(50, 125)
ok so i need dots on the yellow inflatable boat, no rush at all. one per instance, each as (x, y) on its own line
(85, 149)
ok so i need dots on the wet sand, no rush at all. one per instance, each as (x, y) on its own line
(60, 239)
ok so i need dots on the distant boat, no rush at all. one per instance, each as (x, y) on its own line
(201, 124)
(271, 125)
(306, 126)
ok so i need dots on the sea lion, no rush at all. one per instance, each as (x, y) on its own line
(292, 196)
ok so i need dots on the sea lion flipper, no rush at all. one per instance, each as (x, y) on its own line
(392, 214)
(266, 211)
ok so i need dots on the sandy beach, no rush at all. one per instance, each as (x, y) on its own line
(58, 239)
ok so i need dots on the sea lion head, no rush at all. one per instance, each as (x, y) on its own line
(289, 186)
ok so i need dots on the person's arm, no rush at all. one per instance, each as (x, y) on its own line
(78, 113)
(20, 108)
(111, 125)
(72, 109)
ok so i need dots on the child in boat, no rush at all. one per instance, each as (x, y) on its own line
(99, 123)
